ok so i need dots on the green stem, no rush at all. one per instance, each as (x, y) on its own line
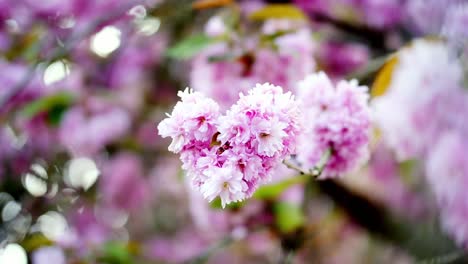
(295, 167)
(318, 169)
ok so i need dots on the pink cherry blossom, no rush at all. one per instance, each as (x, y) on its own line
(447, 174)
(338, 120)
(225, 182)
(231, 155)
(412, 95)
(192, 121)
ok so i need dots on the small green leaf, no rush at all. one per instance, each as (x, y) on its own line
(272, 191)
(116, 253)
(288, 217)
(270, 38)
(54, 116)
(407, 171)
(189, 47)
(220, 58)
(216, 204)
(56, 104)
(35, 241)
(288, 11)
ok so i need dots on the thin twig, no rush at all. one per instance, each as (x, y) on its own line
(295, 167)
(317, 170)
(373, 37)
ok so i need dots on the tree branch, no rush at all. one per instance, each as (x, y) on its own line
(421, 240)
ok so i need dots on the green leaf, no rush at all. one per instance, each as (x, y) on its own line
(116, 253)
(288, 217)
(54, 116)
(216, 204)
(35, 241)
(272, 191)
(54, 104)
(407, 171)
(288, 11)
(189, 47)
(219, 58)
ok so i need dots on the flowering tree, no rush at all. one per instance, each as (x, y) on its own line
(221, 131)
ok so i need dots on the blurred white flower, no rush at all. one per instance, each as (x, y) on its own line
(81, 173)
(14, 254)
(106, 41)
(53, 225)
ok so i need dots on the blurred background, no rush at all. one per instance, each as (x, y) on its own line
(85, 178)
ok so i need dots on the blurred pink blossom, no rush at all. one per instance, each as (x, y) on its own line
(337, 119)
(123, 184)
(447, 174)
(414, 92)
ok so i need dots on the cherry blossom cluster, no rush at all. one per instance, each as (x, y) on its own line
(284, 62)
(230, 155)
(418, 99)
(338, 123)
(422, 116)
(447, 174)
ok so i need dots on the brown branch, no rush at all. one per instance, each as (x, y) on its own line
(375, 38)
(421, 240)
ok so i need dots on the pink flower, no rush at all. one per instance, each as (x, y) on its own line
(225, 182)
(454, 28)
(184, 246)
(339, 59)
(447, 174)
(192, 121)
(447, 169)
(338, 120)
(388, 184)
(454, 221)
(231, 155)
(422, 115)
(269, 136)
(287, 60)
(273, 116)
(85, 134)
(412, 94)
(123, 184)
(50, 254)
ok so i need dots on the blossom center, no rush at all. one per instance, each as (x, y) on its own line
(201, 120)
